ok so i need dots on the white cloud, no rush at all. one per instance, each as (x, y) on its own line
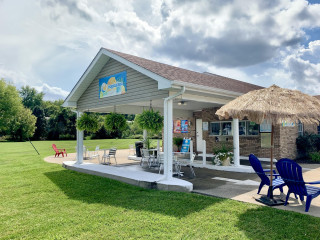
(52, 93)
(49, 43)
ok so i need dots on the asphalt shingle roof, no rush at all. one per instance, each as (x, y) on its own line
(179, 74)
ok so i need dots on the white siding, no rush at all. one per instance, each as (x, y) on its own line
(139, 88)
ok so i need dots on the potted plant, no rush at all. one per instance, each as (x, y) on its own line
(150, 120)
(115, 122)
(178, 142)
(88, 122)
(223, 155)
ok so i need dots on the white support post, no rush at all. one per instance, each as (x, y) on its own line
(79, 143)
(204, 152)
(158, 146)
(236, 148)
(145, 135)
(168, 128)
(191, 151)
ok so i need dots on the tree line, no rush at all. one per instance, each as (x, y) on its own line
(24, 114)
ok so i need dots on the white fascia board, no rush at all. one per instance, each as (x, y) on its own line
(199, 98)
(206, 89)
(69, 104)
(163, 83)
(82, 79)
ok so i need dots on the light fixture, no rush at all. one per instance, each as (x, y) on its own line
(182, 103)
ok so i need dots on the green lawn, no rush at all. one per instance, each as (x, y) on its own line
(39, 200)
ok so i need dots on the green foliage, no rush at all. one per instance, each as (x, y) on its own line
(150, 120)
(41, 123)
(24, 126)
(62, 122)
(15, 120)
(222, 153)
(315, 157)
(88, 122)
(133, 130)
(31, 98)
(10, 106)
(223, 148)
(177, 141)
(115, 122)
(307, 144)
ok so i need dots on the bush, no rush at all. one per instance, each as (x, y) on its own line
(315, 157)
(67, 137)
(307, 144)
(178, 142)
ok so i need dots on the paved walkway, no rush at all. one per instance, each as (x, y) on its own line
(237, 186)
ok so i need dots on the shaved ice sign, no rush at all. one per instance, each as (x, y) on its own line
(113, 85)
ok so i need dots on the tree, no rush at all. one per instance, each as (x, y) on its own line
(31, 98)
(41, 123)
(62, 121)
(10, 105)
(24, 126)
(34, 100)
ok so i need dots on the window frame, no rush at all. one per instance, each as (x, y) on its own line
(300, 129)
(247, 122)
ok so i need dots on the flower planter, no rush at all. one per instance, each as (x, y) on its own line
(226, 162)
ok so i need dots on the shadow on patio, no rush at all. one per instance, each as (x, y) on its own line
(94, 189)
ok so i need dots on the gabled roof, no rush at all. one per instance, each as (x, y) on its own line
(166, 75)
(181, 75)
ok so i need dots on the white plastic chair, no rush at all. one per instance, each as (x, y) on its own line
(95, 153)
(132, 151)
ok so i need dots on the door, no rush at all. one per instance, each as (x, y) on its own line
(199, 135)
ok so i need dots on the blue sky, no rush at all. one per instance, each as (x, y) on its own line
(48, 44)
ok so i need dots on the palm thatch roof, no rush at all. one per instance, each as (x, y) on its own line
(275, 104)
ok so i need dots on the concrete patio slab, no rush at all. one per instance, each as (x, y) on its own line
(137, 178)
(240, 186)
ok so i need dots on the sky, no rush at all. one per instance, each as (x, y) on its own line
(48, 44)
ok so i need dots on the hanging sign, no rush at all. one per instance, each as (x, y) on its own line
(176, 126)
(184, 126)
(265, 127)
(112, 85)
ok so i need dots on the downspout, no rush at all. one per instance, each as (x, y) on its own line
(168, 128)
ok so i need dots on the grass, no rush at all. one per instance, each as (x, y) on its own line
(39, 200)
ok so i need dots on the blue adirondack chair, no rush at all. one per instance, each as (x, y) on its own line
(262, 173)
(291, 173)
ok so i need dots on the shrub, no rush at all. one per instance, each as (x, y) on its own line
(315, 157)
(307, 144)
(178, 142)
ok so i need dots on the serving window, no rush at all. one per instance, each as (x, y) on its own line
(224, 128)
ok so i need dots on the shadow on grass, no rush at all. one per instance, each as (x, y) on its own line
(269, 223)
(94, 189)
